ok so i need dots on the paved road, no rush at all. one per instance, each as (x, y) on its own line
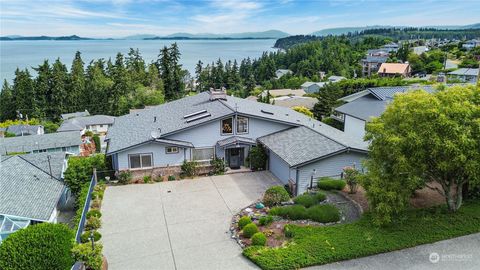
(458, 253)
(178, 225)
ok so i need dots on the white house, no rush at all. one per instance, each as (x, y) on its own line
(312, 87)
(213, 125)
(281, 72)
(471, 44)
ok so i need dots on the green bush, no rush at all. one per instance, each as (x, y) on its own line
(93, 223)
(293, 212)
(98, 145)
(218, 166)
(327, 183)
(189, 168)
(171, 178)
(80, 170)
(323, 213)
(320, 196)
(89, 133)
(265, 220)
(40, 246)
(94, 213)
(275, 195)
(147, 179)
(85, 237)
(125, 177)
(92, 259)
(310, 199)
(244, 221)
(249, 230)
(257, 157)
(259, 239)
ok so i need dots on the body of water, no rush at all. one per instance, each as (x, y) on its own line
(27, 54)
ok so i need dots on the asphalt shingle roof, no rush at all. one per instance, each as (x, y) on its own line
(18, 130)
(79, 123)
(300, 145)
(465, 71)
(66, 116)
(27, 190)
(35, 142)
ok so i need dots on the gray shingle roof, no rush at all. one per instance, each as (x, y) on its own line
(300, 145)
(28, 191)
(137, 127)
(18, 130)
(465, 71)
(234, 140)
(41, 161)
(66, 116)
(79, 123)
(35, 142)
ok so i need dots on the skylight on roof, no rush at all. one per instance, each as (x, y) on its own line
(198, 117)
(194, 114)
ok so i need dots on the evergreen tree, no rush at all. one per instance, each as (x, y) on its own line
(166, 74)
(136, 67)
(198, 76)
(118, 96)
(97, 87)
(77, 93)
(7, 103)
(58, 91)
(24, 94)
(178, 87)
(42, 86)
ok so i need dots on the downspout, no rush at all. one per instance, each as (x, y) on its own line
(296, 181)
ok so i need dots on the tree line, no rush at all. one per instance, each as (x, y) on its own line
(109, 87)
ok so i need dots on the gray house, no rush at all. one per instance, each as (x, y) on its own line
(312, 87)
(32, 190)
(24, 130)
(364, 105)
(52, 142)
(213, 125)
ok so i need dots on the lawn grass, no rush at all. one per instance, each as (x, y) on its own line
(321, 245)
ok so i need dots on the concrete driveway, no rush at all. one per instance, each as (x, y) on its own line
(180, 224)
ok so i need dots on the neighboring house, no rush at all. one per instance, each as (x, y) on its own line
(471, 44)
(293, 101)
(66, 116)
(394, 69)
(281, 72)
(467, 75)
(213, 125)
(24, 130)
(283, 92)
(418, 50)
(391, 47)
(52, 142)
(334, 79)
(373, 60)
(362, 106)
(98, 124)
(32, 190)
(312, 87)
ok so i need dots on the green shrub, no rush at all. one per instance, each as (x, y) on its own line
(288, 231)
(306, 200)
(147, 179)
(244, 221)
(98, 145)
(320, 196)
(249, 230)
(85, 237)
(218, 166)
(265, 220)
(158, 179)
(327, 183)
(89, 133)
(275, 195)
(80, 170)
(171, 178)
(97, 195)
(125, 177)
(93, 223)
(189, 168)
(257, 157)
(92, 259)
(94, 213)
(259, 239)
(293, 212)
(323, 213)
(40, 246)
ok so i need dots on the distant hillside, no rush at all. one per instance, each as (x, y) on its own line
(271, 34)
(73, 37)
(139, 37)
(345, 30)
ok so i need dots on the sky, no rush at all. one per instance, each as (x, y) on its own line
(118, 18)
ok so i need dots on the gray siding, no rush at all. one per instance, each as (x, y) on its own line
(278, 167)
(332, 166)
(160, 158)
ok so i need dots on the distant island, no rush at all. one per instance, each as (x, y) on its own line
(73, 37)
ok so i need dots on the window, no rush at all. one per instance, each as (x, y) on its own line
(203, 154)
(227, 126)
(242, 124)
(171, 149)
(140, 161)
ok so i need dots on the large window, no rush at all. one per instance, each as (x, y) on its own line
(140, 161)
(203, 154)
(242, 124)
(227, 126)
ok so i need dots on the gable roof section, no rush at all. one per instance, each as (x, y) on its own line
(66, 116)
(35, 142)
(27, 190)
(79, 123)
(393, 68)
(465, 72)
(300, 145)
(18, 130)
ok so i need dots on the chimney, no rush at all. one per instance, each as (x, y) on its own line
(218, 94)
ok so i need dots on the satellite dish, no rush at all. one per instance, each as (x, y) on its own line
(155, 134)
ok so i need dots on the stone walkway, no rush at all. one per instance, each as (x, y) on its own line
(349, 210)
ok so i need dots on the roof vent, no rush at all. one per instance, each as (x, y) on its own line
(220, 94)
(266, 112)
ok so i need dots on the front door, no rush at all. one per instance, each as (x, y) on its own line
(235, 158)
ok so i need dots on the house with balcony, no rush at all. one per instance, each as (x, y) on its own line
(156, 141)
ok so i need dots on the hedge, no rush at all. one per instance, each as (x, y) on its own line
(310, 199)
(41, 246)
(330, 184)
(326, 244)
(259, 239)
(92, 259)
